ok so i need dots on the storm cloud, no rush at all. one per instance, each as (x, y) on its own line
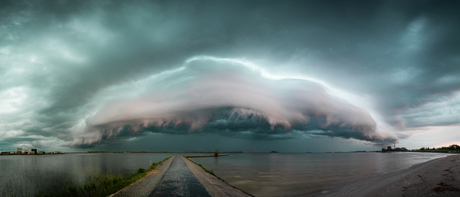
(78, 73)
(232, 98)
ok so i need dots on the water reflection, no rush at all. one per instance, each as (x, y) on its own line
(260, 174)
(26, 175)
(299, 174)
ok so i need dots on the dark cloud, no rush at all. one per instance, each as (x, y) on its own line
(58, 56)
(230, 98)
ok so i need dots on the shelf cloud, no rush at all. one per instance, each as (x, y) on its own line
(221, 96)
(95, 73)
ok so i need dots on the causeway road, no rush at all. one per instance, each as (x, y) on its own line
(179, 181)
(179, 177)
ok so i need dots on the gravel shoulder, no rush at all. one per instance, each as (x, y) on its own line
(145, 186)
(213, 185)
(439, 177)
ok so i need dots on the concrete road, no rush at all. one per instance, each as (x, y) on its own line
(178, 180)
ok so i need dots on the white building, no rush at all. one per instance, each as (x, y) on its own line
(30, 151)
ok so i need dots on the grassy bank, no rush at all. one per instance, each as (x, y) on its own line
(96, 186)
(206, 170)
(212, 173)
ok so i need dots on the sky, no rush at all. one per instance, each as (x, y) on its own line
(291, 76)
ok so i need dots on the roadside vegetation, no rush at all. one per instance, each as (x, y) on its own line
(206, 170)
(100, 186)
(212, 173)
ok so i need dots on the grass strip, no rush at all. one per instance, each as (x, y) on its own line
(100, 186)
(212, 173)
(206, 170)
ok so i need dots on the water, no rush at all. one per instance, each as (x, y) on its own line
(260, 174)
(25, 175)
(276, 174)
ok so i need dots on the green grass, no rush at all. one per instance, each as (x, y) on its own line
(212, 173)
(206, 170)
(99, 186)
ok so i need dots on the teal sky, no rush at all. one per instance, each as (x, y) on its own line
(198, 75)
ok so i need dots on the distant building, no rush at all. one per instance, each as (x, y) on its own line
(19, 151)
(30, 151)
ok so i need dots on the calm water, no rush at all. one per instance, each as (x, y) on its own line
(279, 174)
(261, 174)
(26, 175)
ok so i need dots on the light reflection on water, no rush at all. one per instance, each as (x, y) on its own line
(260, 174)
(25, 175)
(278, 174)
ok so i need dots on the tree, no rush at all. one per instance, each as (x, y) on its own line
(216, 153)
(389, 148)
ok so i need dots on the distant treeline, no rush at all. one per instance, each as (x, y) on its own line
(454, 148)
(394, 149)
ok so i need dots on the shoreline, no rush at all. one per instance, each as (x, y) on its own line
(425, 179)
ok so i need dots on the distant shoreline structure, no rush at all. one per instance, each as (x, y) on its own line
(34, 151)
(454, 148)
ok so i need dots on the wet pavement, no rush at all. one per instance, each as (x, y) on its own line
(179, 181)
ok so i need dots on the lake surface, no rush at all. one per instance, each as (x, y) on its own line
(277, 174)
(260, 174)
(25, 175)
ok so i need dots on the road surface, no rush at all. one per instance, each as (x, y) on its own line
(178, 180)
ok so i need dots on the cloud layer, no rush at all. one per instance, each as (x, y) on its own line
(396, 60)
(223, 97)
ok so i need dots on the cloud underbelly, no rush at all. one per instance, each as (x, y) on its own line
(227, 98)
